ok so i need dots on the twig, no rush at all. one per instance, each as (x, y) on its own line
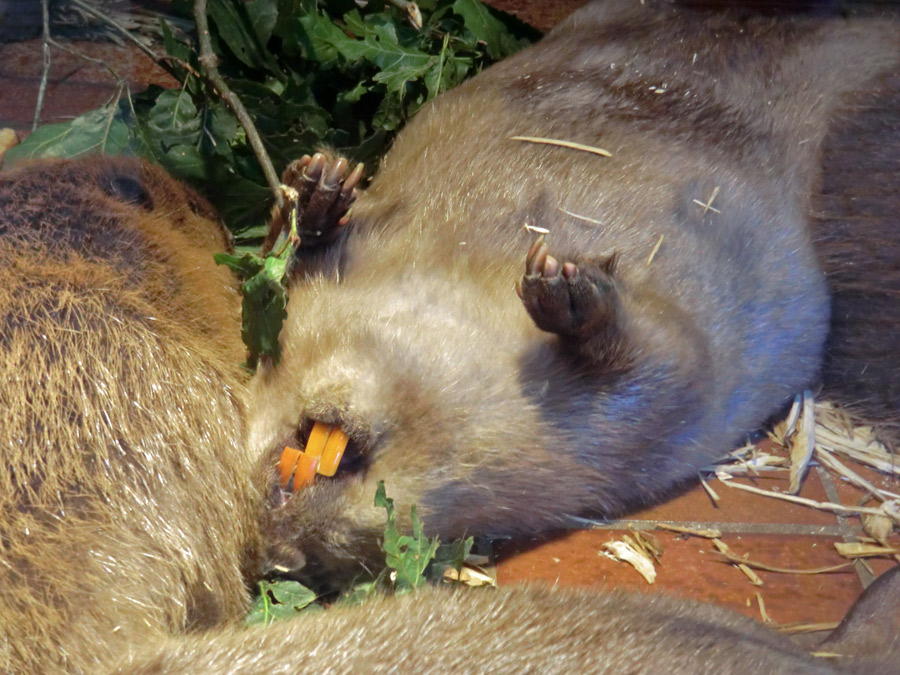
(91, 59)
(824, 506)
(209, 61)
(707, 534)
(736, 559)
(722, 548)
(45, 68)
(563, 144)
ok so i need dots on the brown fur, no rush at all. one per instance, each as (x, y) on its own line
(121, 397)
(535, 630)
(128, 513)
(410, 336)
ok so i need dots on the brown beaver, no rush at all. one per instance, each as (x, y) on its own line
(125, 498)
(675, 304)
(537, 630)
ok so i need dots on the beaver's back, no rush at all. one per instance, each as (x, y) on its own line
(124, 506)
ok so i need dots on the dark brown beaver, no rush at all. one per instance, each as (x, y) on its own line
(677, 302)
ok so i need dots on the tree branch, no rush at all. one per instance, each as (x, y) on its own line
(209, 62)
(45, 68)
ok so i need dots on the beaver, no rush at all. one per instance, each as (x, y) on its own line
(136, 471)
(130, 499)
(680, 296)
(124, 473)
(532, 630)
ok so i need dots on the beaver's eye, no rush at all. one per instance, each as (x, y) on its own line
(200, 206)
(129, 190)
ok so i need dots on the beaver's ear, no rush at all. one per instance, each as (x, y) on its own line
(127, 188)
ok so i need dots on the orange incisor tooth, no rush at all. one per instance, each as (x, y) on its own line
(318, 435)
(334, 450)
(289, 459)
(306, 471)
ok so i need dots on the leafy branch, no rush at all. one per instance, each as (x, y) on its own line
(209, 61)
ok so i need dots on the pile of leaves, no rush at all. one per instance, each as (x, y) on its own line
(412, 560)
(329, 73)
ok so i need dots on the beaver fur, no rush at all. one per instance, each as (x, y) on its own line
(531, 630)
(122, 416)
(677, 301)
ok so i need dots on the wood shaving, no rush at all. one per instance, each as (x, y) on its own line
(856, 549)
(803, 442)
(762, 609)
(648, 544)
(707, 534)
(731, 557)
(712, 493)
(470, 576)
(889, 509)
(622, 551)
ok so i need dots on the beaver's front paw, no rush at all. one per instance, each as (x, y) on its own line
(574, 301)
(325, 190)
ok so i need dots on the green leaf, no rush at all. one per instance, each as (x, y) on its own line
(317, 38)
(174, 119)
(360, 593)
(245, 266)
(246, 26)
(279, 600)
(98, 131)
(408, 555)
(262, 14)
(486, 27)
(263, 310)
(447, 556)
(185, 162)
(222, 129)
(174, 47)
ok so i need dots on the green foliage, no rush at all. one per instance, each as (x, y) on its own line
(311, 73)
(263, 301)
(407, 555)
(102, 130)
(280, 600)
(412, 561)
